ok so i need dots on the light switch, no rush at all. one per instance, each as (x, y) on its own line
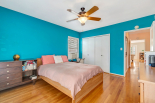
(121, 48)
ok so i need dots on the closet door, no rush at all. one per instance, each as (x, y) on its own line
(91, 50)
(105, 65)
(85, 50)
(98, 51)
(88, 50)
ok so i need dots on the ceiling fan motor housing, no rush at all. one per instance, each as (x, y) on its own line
(83, 12)
(82, 9)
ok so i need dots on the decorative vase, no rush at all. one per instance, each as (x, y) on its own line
(16, 57)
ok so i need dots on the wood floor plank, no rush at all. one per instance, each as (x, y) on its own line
(115, 89)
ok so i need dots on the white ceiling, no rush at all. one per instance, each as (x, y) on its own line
(55, 11)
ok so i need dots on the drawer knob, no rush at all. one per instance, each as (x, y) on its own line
(7, 77)
(7, 71)
(7, 83)
(7, 65)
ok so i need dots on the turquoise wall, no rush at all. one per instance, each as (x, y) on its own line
(31, 37)
(117, 40)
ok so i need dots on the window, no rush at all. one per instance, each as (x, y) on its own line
(133, 50)
(73, 47)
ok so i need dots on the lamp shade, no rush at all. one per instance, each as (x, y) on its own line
(82, 20)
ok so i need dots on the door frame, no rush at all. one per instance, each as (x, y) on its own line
(125, 45)
(98, 36)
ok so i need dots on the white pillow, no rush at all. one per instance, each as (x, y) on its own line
(58, 59)
(78, 59)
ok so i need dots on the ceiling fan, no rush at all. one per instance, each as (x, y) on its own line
(84, 16)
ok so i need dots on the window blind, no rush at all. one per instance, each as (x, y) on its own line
(72, 45)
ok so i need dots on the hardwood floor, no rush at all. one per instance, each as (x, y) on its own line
(114, 89)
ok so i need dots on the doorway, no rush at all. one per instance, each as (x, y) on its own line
(135, 43)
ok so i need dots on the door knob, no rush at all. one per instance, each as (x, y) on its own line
(101, 55)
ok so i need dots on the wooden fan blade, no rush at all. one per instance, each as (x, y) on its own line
(72, 20)
(72, 11)
(94, 18)
(92, 10)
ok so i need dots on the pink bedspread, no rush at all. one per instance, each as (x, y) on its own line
(70, 75)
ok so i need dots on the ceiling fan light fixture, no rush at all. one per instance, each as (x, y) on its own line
(82, 20)
(84, 16)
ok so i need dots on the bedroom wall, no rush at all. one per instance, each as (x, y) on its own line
(31, 37)
(117, 40)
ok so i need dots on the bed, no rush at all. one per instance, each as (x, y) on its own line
(76, 91)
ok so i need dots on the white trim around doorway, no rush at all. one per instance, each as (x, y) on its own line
(125, 45)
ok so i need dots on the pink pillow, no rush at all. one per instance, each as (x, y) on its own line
(48, 59)
(64, 58)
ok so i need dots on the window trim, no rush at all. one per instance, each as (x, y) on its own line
(77, 46)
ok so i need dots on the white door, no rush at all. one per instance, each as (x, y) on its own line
(98, 51)
(91, 50)
(85, 50)
(105, 65)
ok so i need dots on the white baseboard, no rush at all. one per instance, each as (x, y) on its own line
(117, 74)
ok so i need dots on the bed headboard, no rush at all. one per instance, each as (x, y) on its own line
(39, 62)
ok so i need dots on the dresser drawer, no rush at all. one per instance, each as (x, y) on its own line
(8, 77)
(9, 83)
(10, 70)
(10, 64)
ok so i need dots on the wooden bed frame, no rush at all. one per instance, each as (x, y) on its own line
(87, 88)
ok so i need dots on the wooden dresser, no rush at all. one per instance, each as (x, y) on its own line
(146, 78)
(11, 74)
